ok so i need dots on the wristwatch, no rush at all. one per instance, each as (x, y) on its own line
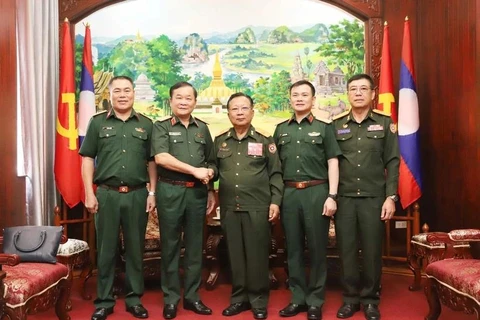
(334, 196)
(151, 193)
(394, 197)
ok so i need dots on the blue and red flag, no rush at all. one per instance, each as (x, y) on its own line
(86, 108)
(67, 160)
(410, 182)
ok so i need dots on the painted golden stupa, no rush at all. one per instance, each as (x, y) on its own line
(217, 93)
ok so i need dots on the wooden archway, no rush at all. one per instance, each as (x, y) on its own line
(369, 11)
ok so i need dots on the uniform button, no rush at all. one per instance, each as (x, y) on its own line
(359, 138)
(239, 142)
(298, 141)
(236, 174)
(359, 125)
(359, 151)
(123, 150)
(375, 136)
(298, 157)
(358, 190)
(313, 141)
(343, 138)
(189, 142)
(191, 156)
(107, 135)
(174, 140)
(358, 179)
(124, 136)
(299, 128)
(358, 193)
(237, 197)
(236, 186)
(123, 167)
(298, 170)
(239, 153)
(358, 165)
(121, 182)
(238, 164)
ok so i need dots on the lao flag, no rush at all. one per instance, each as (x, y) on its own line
(410, 183)
(67, 160)
(386, 100)
(86, 108)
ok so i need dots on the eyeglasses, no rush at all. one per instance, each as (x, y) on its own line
(242, 109)
(363, 90)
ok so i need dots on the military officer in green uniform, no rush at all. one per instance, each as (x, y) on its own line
(250, 193)
(309, 154)
(367, 194)
(119, 141)
(183, 150)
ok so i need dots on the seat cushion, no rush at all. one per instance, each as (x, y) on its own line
(460, 275)
(421, 240)
(28, 279)
(71, 247)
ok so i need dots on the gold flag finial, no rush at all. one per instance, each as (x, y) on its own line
(385, 23)
(66, 20)
(406, 18)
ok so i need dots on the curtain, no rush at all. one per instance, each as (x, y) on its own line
(38, 65)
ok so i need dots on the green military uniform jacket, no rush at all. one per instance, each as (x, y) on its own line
(192, 145)
(370, 162)
(250, 171)
(305, 148)
(121, 148)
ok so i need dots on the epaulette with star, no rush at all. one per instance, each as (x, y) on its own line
(164, 118)
(383, 113)
(263, 133)
(99, 113)
(327, 121)
(341, 115)
(222, 132)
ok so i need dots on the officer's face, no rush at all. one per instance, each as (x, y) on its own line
(302, 99)
(122, 95)
(240, 112)
(360, 93)
(183, 101)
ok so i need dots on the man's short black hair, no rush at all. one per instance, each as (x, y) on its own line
(182, 84)
(120, 78)
(239, 94)
(361, 76)
(301, 83)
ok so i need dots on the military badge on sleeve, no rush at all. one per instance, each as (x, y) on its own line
(393, 127)
(272, 148)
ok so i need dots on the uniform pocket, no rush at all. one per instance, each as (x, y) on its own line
(225, 159)
(107, 138)
(139, 142)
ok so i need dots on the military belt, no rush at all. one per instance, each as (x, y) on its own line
(123, 189)
(186, 184)
(304, 184)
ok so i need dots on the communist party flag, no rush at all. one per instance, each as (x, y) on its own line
(410, 179)
(386, 100)
(67, 160)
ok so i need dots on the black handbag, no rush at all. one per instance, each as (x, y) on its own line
(33, 243)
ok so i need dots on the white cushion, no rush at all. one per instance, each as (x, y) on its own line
(72, 246)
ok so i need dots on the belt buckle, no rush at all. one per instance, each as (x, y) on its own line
(189, 184)
(123, 189)
(301, 185)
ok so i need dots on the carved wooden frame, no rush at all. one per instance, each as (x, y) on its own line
(369, 11)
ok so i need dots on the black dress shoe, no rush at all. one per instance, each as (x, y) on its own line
(102, 313)
(236, 308)
(371, 312)
(169, 311)
(138, 311)
(198, 307)
(347, 310)
(292, 310)
(314, 313)
(260, 313)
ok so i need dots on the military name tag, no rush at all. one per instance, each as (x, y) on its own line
(255, 149)
(375, 127)
(314, 134)
(343, 131)
(140, 130)
(174, 133)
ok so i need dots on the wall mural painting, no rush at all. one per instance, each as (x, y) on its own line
(223, 47)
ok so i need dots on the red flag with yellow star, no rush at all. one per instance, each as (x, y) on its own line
(67, 160)
(386, 100)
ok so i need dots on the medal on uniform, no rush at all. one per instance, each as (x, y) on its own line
(272, 148)
(345, 125)
(224, 144)
(255, 149)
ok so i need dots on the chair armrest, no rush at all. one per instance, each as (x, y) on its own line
(9, 259)
(466, 235)
(454, 237)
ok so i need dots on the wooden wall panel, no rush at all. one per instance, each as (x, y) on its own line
(12, 188)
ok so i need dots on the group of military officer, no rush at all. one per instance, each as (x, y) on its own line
(309, 172)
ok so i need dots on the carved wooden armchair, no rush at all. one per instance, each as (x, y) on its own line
(28, 287)
(454, 281)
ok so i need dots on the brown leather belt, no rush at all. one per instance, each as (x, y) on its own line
(304, 184)
(123, 189)
(186, 184)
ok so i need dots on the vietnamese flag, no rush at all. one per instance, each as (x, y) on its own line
(67, 160)
(386, 100)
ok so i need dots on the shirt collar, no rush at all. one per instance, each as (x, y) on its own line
(174, 120)
(111, 113)
(309, 118)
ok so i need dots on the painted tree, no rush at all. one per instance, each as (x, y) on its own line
(278, 89)
(200, 81)
(237, 82)
(163, 68)
(345, 46)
